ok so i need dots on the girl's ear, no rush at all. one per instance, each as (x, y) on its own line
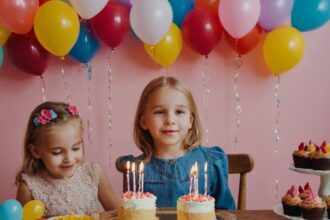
(34, 151)
(143, 123)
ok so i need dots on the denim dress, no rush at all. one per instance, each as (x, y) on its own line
(168, 179)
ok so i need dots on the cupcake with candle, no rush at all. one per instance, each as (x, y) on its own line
(313, 207)
(291, 202)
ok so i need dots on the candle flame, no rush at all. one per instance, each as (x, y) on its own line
(133, 167)
(205, 167)
(141, 167)
(128, 165)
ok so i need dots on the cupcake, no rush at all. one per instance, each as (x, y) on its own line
(301, 157)
(320, 159)
(291, 202)
(313, 207)
(304, 192)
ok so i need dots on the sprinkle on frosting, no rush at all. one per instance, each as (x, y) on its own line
(194, 198)
(133, 195)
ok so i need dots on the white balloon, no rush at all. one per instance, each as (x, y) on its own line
(151, 19)
(88, 8)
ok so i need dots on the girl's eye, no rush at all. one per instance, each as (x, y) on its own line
(56, 152)
(76, 148)
(158, 112)
(180, 112)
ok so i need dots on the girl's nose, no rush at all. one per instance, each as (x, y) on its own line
(67, 158)
(170, 118)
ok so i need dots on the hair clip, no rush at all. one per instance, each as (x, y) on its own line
(73, 110)
(44, 117)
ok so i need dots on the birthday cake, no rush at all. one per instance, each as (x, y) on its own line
(137, 206)
(195, 207)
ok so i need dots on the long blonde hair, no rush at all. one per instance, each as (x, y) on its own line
(143, 138)
(34, 133)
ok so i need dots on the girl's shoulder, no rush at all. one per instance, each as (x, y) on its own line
(213, 154)
(91, 167)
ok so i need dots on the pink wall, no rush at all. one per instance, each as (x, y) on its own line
(304, 108)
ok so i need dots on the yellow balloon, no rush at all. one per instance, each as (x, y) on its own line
(34, 209)
(283, 48)
(168, 49)
(56, 26)
(4, 34)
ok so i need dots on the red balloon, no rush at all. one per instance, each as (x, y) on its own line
(111, 24)
(41, 2)
(27, 54)
(201, 30)
(246, 43)
(212, 5)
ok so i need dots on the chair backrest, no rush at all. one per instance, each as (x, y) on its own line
(237, 164)
(240, 164)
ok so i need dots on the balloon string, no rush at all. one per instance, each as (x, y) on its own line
(207, 91)
(89, 102)
(43, 85)
(277, 117)
(65, 83)
(109, 86)
(238, 109)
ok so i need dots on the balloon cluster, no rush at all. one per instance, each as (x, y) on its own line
(75, 27)
(13, 210)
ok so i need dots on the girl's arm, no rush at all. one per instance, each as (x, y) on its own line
(107, 197)
(23, 193)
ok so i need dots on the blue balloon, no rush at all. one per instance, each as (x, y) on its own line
(11, 209)
(1, 56)
(86, 46)
(180, 9)
(308, 15)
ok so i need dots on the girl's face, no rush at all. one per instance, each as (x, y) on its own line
(61, 149)
(168, 118)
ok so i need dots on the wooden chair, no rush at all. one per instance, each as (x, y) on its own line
(240, 164)
(237, 163)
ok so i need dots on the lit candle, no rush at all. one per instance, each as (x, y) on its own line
(133, 172)
(196, 180)
(205, 178)
(191, 178)
(140, 179)
(128, 166)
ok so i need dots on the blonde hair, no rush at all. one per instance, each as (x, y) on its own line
(143, 138)
(34, 132)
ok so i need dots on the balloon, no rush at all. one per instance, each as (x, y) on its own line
(274, 12)
(4, 34)
(248, 42)
(87, 8)
(308, 15)
(283, 49)
(27, 54)
(212, 5)
(86, 46)
(201, 30)
(41, 2)
(18, 15)
(151, 19)
(34, 209)
(1, 56)
(168, 49)
(238, 17)
(111, 24)
(180, 10)
(56, 26)
(126, 3)
(11, 209)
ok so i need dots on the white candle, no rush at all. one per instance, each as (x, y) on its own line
(191, 178)
(133, 172)
(196, 179)
(205, 178)
(140, 179)
(141, 171)
(128, 166)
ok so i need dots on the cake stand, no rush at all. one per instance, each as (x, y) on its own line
(324, 188)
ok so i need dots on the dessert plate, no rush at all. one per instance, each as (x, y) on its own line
(310, 171)
(278, 209)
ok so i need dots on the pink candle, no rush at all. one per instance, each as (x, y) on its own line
(191, 178)
(205, 178)
(128, 165)
(133, 172)
(140, 179)
(196, 180)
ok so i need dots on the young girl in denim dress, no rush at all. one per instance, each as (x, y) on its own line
(167, 130)
(54, 170)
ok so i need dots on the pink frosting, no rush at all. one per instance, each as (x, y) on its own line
(196, 198)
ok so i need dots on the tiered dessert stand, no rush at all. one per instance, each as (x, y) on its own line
(324, 188)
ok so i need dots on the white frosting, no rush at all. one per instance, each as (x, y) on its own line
(195, 207)
(139, 203)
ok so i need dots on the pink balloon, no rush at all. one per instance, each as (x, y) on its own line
(18, 15)
(238, 17)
